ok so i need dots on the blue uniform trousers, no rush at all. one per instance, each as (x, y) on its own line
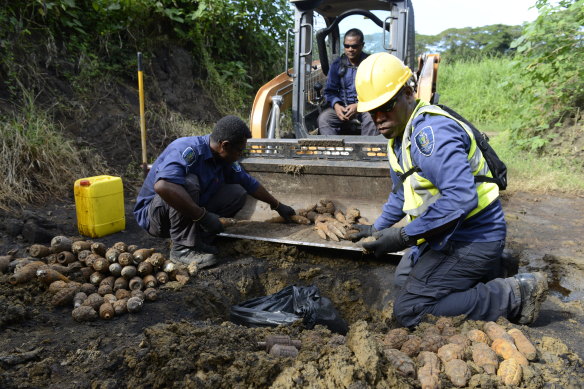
(459, 279)
(166, 222)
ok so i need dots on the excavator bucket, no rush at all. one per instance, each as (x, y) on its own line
(352, 173)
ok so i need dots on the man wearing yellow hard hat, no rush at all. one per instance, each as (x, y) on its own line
(456, 227)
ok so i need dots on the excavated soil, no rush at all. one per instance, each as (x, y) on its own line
(185, 338)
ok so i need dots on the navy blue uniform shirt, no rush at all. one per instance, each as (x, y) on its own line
(444, 162)
(334, 91)
(190, 155)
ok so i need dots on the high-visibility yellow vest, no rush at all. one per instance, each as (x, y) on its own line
(419, 192)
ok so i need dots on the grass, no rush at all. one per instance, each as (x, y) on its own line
(485, 93)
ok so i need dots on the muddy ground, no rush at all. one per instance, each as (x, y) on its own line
(185, 338)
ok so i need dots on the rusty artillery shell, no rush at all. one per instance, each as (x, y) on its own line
(284, 340)
(126, 259)
(90, 259)
(65, 296)
(26, 273)
(168, 267)
(66, 257)
(86, 272)
(112, 254)
(134, 304)
(142, 254)
(100, 264)
(136, 283)
(56, 286)
(98, 248)
(108, 281)
(120, 246)
(84, 313)
(60, 268)
(110, 298)
(61, 243)
(88, 288)
(78, 299)
(106, 311)
(38, 251)
(80, 245)
(123, 294)
(150, 294)
(94, 300)
(138, 293)
(18, 263)
(96, 277)
(145, 268)
(162, 277)
(280, 350)
(129, 271)
(6, 259)
(156, 259)
(47, 275)
(150, 281)
(115, 269)
(82, 255)
(105, 289)
(121, 306)
(131, 248)
(120, 283)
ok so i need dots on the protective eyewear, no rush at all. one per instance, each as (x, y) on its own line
(352, 46)
(387, 107)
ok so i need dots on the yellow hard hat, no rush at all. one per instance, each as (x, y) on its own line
(379, 77)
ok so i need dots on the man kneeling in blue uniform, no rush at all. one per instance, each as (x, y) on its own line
(193, 182)
(456, 227)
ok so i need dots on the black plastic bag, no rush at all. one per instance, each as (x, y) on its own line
(287, 306)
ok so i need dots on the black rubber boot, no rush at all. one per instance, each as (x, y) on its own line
(533, 287)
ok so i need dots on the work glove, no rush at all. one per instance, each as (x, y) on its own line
(210, 223)
(285, 211)
(365, 230)
(389, 240)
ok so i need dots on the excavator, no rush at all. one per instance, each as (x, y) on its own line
(301, 167)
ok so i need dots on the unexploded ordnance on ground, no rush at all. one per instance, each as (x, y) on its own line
(105, 289)
(134, 304)
(25, 273)
(38, 251)
(96, 277)
(100, 264)
(88, 288)
(507, 350)
(81, 245)
(460, 339)
(90, 259)
(510, 372)
(150, 281)
(84, 313)
(136, 283)
(145, 268)
(6, 259)
(396, 338)
(94, 300)
(82, 255)
(109, 280)
(404, 365)
(340, 216)
(450, 351)
(65, 296)
(106, 310)
(120, 283)
(112, 254)
(86, 272)
(282, 350)
(432, 342)
(120, 246)
(494, 331)
(123, 294)
(523, 344)
(47, 275)
(55, 286)
(131, 248)
(120, 306)
(429, 371)
(141, 254)
(126, 259)
(98, 248)
(115, 269)
(168, 267)
(458, 372)
(110, 298)
(156, 259)
(352, 215)
(137, 293)
(162, 277)
(129, 271)
(66, 257)
(61, 243)
(412, 346)
(150, 294)
(478, 336)
(78, 299)
(485, 357)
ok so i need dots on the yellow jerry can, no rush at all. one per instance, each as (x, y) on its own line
(99, 202)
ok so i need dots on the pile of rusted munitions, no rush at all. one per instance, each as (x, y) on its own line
(459, 354)
(95, 280)
(329, 221)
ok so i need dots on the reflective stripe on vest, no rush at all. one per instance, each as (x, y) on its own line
(419, 192)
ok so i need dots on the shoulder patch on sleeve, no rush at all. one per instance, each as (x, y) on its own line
(425, 141)
(189, 156)
(235, 166)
